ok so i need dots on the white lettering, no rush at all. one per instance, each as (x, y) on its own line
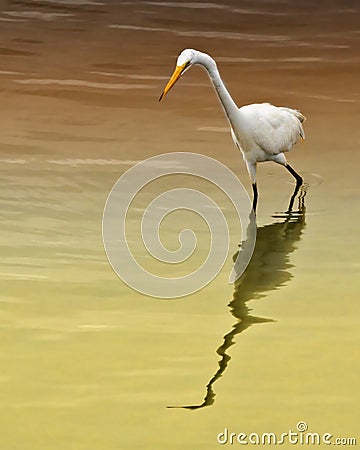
(223, 437)
(327, 438)
(282, 438)
(268, 438)
(253, 436)
(315, 438)
(241, 438)
(292, 435)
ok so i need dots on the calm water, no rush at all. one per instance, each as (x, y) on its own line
(87, 363)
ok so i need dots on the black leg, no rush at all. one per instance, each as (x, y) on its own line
(292, 199)
(299, 180)
(255, 191)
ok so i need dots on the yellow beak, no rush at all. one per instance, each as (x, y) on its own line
(174, 77)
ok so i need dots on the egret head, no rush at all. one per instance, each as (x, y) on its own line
(185, 60)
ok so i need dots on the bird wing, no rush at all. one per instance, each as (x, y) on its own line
(274, 129)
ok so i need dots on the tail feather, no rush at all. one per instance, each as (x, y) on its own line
(301, 119)
(300, 116)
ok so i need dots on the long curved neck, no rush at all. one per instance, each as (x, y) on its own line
(226, 101)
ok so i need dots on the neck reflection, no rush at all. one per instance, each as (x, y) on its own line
(267, 271)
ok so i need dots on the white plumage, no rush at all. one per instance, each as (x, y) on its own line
(263, 132)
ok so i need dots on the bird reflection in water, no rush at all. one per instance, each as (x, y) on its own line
(267, 271)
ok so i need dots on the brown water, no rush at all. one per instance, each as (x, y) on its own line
(87, 363)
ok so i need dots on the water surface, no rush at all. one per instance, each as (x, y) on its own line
(86, 362)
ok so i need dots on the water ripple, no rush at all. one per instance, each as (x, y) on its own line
(88, 161)
(91, 84)
(207, 34)
(37, 15)
(130, 76)
(198, 5)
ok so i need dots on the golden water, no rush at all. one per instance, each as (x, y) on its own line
(87, 363)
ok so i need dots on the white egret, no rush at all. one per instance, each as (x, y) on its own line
(263, 132)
